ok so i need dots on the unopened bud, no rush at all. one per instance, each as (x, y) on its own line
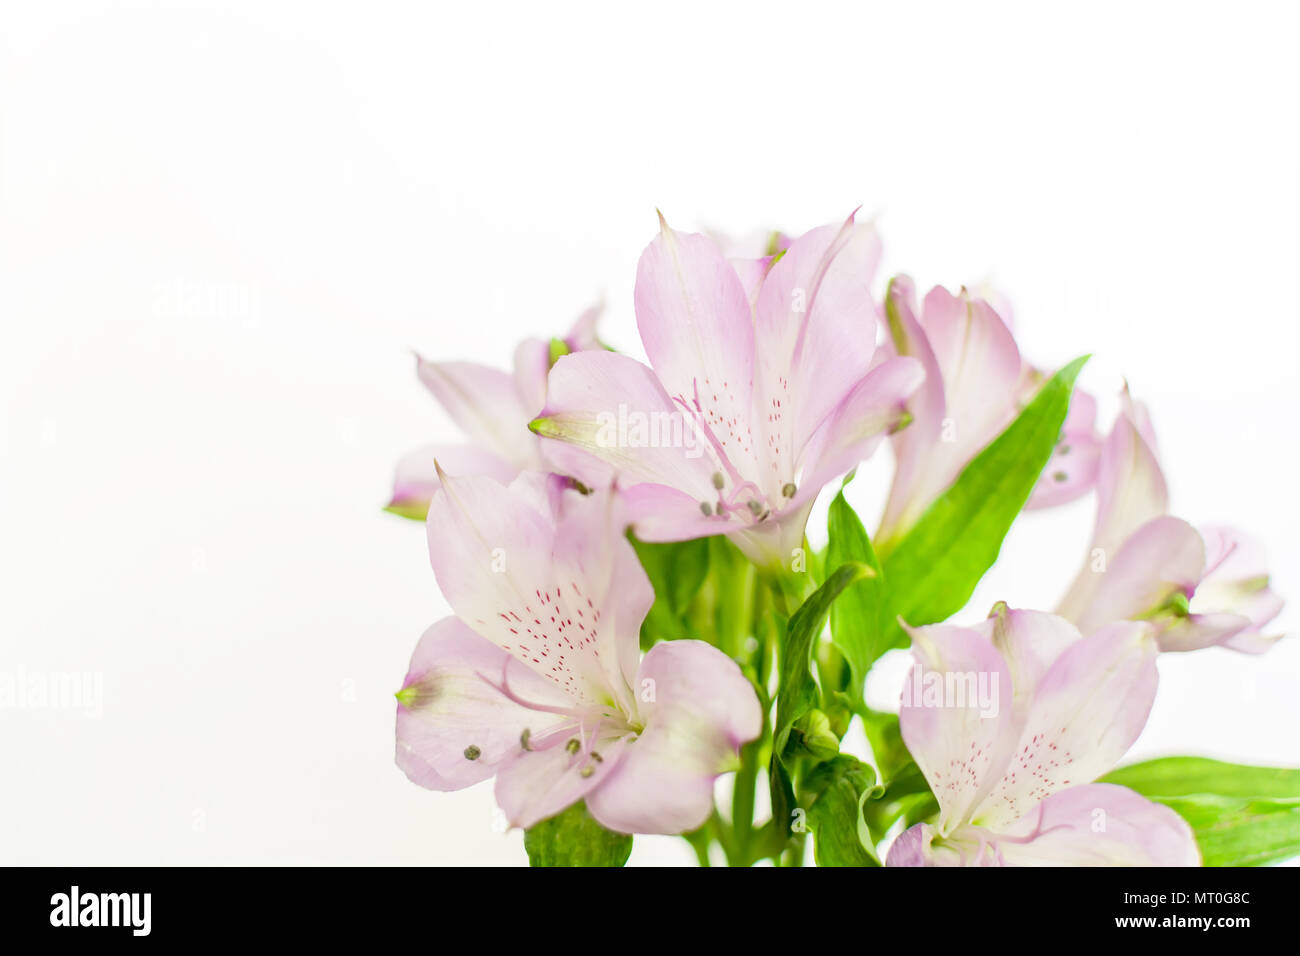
(817, 736)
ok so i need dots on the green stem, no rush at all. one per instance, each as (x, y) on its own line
(742, 801)
(792, 856)
(702, 839)
(789, 590)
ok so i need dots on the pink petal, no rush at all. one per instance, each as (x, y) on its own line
(694, 319)
(912, 847)
(873, 409)
(1236, 584)
(815, 334)
(1086, 712)
(592, 554)
(485, 403)
(1081, 419)
(1098, 824)
(582, 335)
(1130, 485)
(927, 407)
(1140, 415)
(980, 368)
(1130, 492)
(774, 543)
(1197, 631)
(998, 301)
(698, 709)
(495, 557)
(1232, 555)
(1030, 642)
(661, 513)
(533, 359)
(922, 845)
(961, 745)
(980, 362)
(752, 272)
(532, 365)
(607, 415)
(417, 474)
(538, 784)
(1163, 556)
(1251, 641)
(454, 726)
(1072, 471)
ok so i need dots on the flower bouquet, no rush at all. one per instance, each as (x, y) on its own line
(644, 642)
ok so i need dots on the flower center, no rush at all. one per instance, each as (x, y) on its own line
(745, 500)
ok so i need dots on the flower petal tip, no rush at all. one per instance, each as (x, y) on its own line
(413, 510)
(544, 427)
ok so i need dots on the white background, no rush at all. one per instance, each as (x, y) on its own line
(224, 225)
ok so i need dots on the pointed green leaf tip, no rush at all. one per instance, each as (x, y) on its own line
(862, 624)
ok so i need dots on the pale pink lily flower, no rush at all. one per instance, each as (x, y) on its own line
(539, 680)
(1072, 470)
(972, 374)
(1011, 721)
(976, 383)
(760, 390)
(1200, 588)
(493, 408)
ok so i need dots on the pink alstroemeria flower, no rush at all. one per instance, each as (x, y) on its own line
(1011, 721)
(1072, 471)
(493, 409)
(976, 383)
(539, 680)
(760, 389)
(1200, 588)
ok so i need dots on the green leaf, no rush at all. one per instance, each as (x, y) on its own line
(1183, 776)
(723, 609)
(1240, 831)
(840, 836)
(797, 692)
(862, 625)
(885, 736)
(574, 838)
(1242, 816)
(934, 569)
(677, 570)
